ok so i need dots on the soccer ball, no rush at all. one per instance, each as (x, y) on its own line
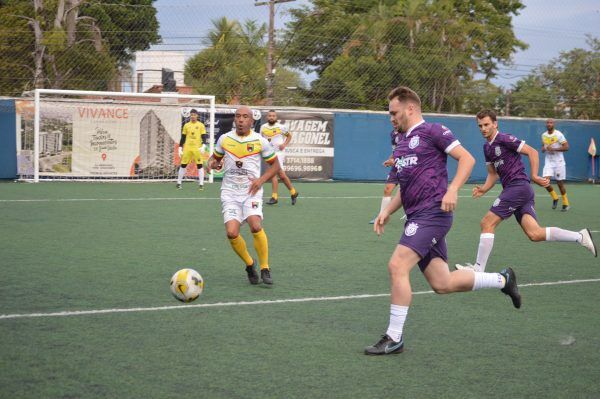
(186, 285)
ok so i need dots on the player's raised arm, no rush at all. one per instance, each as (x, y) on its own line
(463, 171)
(534, 164)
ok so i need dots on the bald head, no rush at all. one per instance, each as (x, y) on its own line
(550, 125)
(243, 120)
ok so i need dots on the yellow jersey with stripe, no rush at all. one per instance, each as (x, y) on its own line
(242, 159)
(554, 141)
(275, 133)
(193, 132)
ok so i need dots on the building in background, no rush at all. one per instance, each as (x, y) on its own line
(149, 66)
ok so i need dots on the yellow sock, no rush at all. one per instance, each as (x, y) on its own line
(553, 195)
(261, 244)
(275, 195)
(293, 191)
(239, 246)
(565, 200)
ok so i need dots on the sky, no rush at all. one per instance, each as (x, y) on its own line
(547, 26)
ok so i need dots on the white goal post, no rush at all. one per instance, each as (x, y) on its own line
(110, 136)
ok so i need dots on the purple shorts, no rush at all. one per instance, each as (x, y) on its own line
(517, 199)
(426, 235)
(392, 177)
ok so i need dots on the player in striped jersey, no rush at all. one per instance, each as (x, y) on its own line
(239, 154)
(279, 137)
(554, 144)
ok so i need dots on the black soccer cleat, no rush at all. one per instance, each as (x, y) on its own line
(554, 203)
(385, 346)
(294, 197)
(265, 275)
(272, 201)
(178, 186)
(565, 208)
(252, 275)
(510, 288)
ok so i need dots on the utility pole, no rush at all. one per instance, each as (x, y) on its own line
(508, 93)
(271, 46)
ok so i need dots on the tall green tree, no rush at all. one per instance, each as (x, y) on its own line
(71, 44)
(232, 66)
(361, 49)
(566, 87)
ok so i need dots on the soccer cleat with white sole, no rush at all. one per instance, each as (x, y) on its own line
(466, 266)
(587, 241)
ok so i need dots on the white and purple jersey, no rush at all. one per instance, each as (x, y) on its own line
(503, 152)
(420, 159)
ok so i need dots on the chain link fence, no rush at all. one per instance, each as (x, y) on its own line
(460, 56)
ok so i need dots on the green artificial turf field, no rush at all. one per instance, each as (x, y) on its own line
(108, 251)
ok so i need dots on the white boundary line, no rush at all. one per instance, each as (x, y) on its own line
(183, 199)
(245, 303)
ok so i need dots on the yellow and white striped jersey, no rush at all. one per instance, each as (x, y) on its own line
(242, 158)
(275, 133)
(554, 141)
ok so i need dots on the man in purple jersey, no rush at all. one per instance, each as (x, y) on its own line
(392, 178)
(503, 159)
(420, 158)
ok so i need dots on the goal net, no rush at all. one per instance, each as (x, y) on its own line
(113, 136)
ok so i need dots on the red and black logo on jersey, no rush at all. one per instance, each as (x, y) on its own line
(250, 147)
(239, 164)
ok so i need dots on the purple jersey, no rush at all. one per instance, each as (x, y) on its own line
(420, 158)
(503, 153)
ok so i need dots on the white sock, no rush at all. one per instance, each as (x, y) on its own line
(486, 243)
(397, 317)
(201, 176)
(384, 202)
(556, 234)
(488, 280)
(180, 175)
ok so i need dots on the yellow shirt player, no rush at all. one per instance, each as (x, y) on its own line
(554, 144)
(239, 154)
(279, 137)
(191, 148)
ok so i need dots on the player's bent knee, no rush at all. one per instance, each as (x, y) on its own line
(439, 289)
(231, 234)
(397, 271)
(255, 229)
(536, 235)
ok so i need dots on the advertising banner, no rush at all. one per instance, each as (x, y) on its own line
(310, 153)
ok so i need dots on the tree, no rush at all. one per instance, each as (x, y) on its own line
(71, 44)
(480, 94)
(568, 86)
(232, 67)
(361, 49)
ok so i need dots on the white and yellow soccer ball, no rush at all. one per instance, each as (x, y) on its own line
(186, 285)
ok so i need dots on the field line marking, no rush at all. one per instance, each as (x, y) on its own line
(185, 199)
(245, 303)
